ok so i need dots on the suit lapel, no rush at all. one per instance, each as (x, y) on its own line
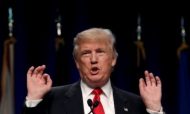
(120, 102)
(127, 103)
(74, 102)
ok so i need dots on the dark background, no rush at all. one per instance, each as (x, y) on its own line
(35, 32)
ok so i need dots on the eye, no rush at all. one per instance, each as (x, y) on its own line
(86, 52)
(100, 51)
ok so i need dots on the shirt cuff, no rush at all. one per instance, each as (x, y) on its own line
(155, 112)
(32, 103)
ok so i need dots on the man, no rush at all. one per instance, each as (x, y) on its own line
(95, 57)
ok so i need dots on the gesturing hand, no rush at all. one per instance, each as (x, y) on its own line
(38, 82)
(150, 91)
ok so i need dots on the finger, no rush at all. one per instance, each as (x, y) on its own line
(147, 78)
(152, 79)
(142, 84)
(35, 71)
(158, 81)
(30, 71)
(48, 79)
(40, 71)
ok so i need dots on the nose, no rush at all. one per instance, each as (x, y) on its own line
(94, 58)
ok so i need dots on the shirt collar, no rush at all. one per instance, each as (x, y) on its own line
(107, 89)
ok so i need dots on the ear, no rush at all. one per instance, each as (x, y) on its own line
(76, 62)
(114, 61)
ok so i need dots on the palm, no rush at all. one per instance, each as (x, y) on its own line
(150, 91)
(38, 84)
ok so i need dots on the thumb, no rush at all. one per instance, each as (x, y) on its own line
(141, 84)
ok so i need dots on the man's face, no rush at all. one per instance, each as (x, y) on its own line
(95, 60)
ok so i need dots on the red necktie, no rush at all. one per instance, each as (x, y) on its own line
(99, 109)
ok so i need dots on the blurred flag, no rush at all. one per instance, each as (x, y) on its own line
(184, 82)
(183, 53)
(59, 41)
(61, 76)
(141, 55)
(7, 77)
(183, 45)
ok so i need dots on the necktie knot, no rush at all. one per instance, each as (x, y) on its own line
(97, 91)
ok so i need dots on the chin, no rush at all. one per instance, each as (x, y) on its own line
(96, 83)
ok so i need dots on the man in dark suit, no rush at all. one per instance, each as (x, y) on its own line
(95, 57)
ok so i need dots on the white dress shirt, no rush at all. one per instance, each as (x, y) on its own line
(106, 97)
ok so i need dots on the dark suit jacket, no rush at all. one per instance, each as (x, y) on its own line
(68, 100)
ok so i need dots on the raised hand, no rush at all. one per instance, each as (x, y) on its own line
(38, 82)
(150, 91)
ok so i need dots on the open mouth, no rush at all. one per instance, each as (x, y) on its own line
(94, 70)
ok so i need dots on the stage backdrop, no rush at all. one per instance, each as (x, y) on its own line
(37, 42)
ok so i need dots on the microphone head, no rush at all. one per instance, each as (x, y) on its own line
(89, 102)
(96, 103)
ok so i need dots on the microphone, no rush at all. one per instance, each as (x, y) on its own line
(96, 103)
(92, 105)
(89, 102)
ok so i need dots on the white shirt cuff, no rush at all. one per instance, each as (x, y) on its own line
(155, 112)
(32, 103)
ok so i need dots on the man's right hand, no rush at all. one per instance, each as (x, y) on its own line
(38, 82)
